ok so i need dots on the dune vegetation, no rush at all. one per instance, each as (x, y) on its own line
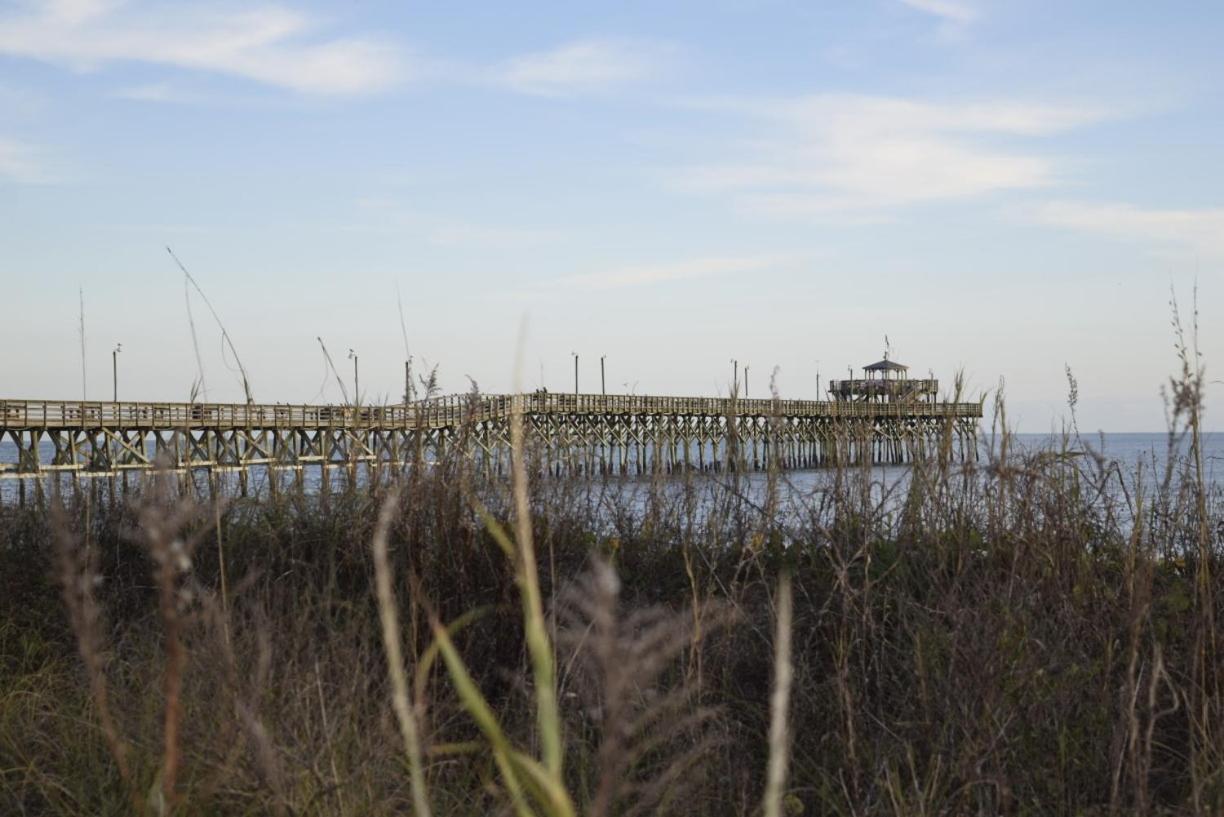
(1037, 632)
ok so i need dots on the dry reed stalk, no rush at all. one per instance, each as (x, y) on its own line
(265, 753)
(221, 569)
(1187, 404)
(693, 673)
(538, 643)
(389, 616)
(331, 750)
(1139, 599)
(172, 559)
(618, 665)
(77, 570)
(612, 748)
(779, 704)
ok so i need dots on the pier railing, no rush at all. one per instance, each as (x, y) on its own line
(438, 412)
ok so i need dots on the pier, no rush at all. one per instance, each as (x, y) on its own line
(580, 434)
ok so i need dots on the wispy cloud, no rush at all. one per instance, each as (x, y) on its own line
(22, 163)
(1199, 230)
(950, 11)
(272, 45)
(152, 92)
(843, 154)
(650, 274)
(582, 66)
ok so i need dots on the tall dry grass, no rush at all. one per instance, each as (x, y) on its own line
(1034, 633)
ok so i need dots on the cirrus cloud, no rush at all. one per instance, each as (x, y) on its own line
(22, 163)
(581, 66)
(1198, 230)
(272, 45)
(837, 153)
(951, 11)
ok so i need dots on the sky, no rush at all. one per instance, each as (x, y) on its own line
(1003, 189)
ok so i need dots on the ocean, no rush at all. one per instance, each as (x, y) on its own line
(1129, 450)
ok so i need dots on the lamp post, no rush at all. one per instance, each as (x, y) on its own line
(115, 369)
(746, 382)
(603, 383)
(734, 374)
(817, 379)
(575, 354)
(356, 383)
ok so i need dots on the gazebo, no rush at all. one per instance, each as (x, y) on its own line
(885, 381)
(886, 370)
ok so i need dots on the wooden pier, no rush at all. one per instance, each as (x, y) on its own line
(580, 434)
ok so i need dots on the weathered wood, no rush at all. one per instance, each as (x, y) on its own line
(573, 433)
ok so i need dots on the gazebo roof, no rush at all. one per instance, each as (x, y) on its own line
(886, 365)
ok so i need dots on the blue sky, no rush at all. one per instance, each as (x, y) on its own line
(1004, 188)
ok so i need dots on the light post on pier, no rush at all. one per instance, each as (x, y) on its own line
(817, 379)
(603, 383)
(575, 354)
(746, 382)
(356, 383)
(734, 374)
(115, 369)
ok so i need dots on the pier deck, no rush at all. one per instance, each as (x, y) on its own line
(579, 433)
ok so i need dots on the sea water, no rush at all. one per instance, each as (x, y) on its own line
(1130, 451)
